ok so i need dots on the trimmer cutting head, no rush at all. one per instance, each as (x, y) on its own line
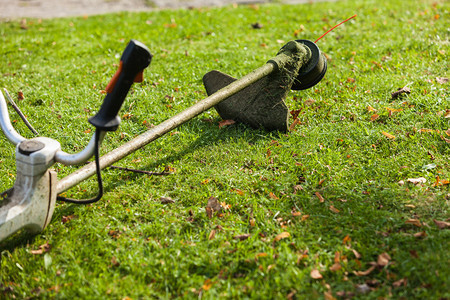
(299, 65)
(312, 73)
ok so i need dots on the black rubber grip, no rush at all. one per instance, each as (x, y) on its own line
(135, 58)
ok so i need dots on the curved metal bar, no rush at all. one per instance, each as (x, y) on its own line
(79, 158)
(62, 157)
(5, 123)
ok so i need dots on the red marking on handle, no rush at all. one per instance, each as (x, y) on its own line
(334, 28)
(110, 87)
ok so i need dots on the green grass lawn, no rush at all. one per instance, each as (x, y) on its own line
(320, 212)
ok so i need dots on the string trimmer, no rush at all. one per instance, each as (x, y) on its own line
(256, 99)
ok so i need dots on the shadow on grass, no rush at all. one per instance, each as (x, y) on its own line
(19, 239)
(210, 135)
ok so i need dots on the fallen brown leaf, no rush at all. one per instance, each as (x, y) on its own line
(209, 212)
(127, 116)
(169, 169)
(414, 253)
(224, 205)
(302, 256)
(23, 24)
(123, 135)
(212, 206)
(55, 288)
(242, 237)
(207, 284)
(44, 248)
(65, 219)
(309, 102)
(328, 295)
(447, 113)
(347, 239)
(291, 295)
(273, 196)
(364, 273)
(394, 109)
(400, 282)
(294, 123)
(296, 214)
(414, 222)
(238, 191)
(400, 91)
(321, 199)
(224, 123)
(370, 108)
(426, 130)
(441, 224)
(170, 25)
(334, 209)
(388, 135)
(212, 234)
(420, 234)
(166, 200)
(356, 253)
(383, 259)
(337, 256)
(295, 113)
(297, 188)
(114, 233)
(262, 254)
(281, 236)
(439, 181)
(374, 117)
(335, 267)
(315, 274)
(114, 262)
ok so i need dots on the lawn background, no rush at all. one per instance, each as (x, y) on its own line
(319, 207)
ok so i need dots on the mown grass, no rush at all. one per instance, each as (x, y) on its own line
(130, 245)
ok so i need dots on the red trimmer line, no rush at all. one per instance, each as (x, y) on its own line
(334, 28)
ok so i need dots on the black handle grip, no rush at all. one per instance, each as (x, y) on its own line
(135, 58)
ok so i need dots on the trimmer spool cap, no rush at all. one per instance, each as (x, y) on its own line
(312, 73)
(30, 146)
